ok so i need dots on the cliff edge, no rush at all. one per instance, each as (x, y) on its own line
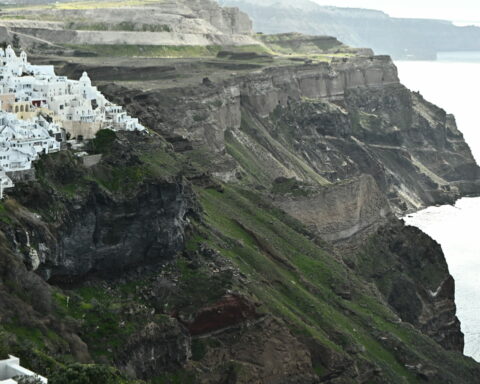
(250, 235)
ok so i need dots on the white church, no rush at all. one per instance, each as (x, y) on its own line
(38, 109)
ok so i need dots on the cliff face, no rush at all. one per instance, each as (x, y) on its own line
(337, 212)
(419, 39)
(171, 23)
(410, 270)
(321, 124)
(95, 230)
(249, 236)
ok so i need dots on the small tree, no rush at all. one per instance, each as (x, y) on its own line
(85, 374)
(103, 141)
(15, 41)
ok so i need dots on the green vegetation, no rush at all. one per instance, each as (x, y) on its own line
(103, 314)
(174, 378)
(174, 51)
(4, 216)
(71, 179)
(16, 41)
(123, 26)
(119, 179)
(300, 282)
(86, 374)
(83, 5)
(199, 287)
(168, 51)
(292, 187)
(318, 48)
(103, 141)
(264, 153)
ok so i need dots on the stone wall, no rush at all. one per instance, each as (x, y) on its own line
(78, 128)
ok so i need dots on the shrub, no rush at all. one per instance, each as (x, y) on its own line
(85, 374)
(103, 140)
(28, 380)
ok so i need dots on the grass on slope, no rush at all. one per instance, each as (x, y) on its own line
(258, 152)
(74, 5)
(174, 51)
(167, 51)
(299, 281)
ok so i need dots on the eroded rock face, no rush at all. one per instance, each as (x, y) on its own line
(410, 270)
(229, 20)
(319, 123)
(340, 211)
(276, 86)
(171, 23)
(352, 145)
(100, 231)
(108, 236)
(229, 311)
(217, 108)
(159, 347)
(263, 352)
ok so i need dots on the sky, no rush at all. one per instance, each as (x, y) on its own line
(458, 10)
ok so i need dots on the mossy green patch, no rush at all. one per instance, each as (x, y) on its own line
(122, 26)
(300, 281)
(173, 51)
(4, 216)
(102, 312)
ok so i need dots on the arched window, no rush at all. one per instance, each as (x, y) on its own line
(16, 108)
(21, 108)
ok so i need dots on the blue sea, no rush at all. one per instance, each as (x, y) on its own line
(453, 83)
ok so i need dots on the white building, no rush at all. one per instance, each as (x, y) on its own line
(21, 142)
(10, 369)
(37, 107)
(5, 183)
(27, 89)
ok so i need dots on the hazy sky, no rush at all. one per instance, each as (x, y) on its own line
(457, 10)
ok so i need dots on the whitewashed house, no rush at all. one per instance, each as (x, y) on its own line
(37, 107)
(10, 370)
(78, 105)
(21, 142)
(5, 182)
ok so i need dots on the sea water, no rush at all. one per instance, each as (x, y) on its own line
(453, 83)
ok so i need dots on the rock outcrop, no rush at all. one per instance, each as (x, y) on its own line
(100, 232)
(157, 347)
(320, 123)
(171, 23)
(419, 39)
(340, 211)
(410, 270)
(248, 236)
(266, 352)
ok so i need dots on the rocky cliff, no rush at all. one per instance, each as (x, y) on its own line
(249, 237)
(149, 23)
(109, 228)
(408, 273)
(417, 39)
(320, 123)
